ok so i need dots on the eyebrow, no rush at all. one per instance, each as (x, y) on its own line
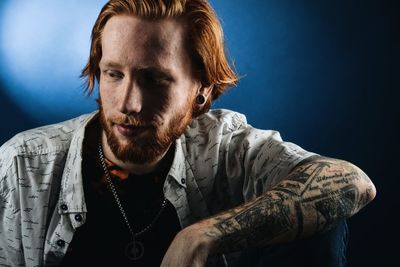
(110, 64)
(155, 68)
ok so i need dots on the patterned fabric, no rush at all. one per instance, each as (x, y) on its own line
(220, 162)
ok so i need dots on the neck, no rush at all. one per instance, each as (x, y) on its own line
(133, 168)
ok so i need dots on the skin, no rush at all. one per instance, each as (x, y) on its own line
(311, 199)
(145, 75)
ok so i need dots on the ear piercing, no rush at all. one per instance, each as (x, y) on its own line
(200, 99)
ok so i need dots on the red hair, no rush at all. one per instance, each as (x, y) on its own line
(205, 39)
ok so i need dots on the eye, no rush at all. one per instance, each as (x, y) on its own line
(150, 78)
(113, 75)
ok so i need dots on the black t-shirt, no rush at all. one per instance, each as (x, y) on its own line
(102, 240)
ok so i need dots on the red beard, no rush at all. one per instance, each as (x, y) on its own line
(150, 145)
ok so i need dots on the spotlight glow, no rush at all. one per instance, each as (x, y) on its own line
(43, 47)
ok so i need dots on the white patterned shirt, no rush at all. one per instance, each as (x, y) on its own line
(220, 162)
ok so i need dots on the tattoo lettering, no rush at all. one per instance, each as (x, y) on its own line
(311, 199)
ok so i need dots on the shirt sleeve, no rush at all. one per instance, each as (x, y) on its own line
(255, 160)
(10, 236)
(234, 162)
(261, 158)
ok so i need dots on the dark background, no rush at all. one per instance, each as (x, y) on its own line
(326, 74)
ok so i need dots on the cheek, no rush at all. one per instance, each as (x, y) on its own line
(185, 96)
(108, 99)
(159, 101)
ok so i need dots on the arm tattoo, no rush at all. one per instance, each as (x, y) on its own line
(311, 199)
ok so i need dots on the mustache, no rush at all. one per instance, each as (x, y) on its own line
(132, 121)
(128, 120)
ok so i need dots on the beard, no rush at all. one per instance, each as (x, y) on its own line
(150, 145)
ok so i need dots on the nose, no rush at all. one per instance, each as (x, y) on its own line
(131, 100)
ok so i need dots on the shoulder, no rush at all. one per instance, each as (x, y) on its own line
(227, 124)
(221, 119)
(42, 140)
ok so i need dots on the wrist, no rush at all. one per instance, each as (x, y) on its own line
(197, 236)
(206, 236)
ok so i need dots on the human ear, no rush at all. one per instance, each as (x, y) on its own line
(203, 94)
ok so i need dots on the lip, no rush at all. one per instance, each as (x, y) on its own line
(129, 131)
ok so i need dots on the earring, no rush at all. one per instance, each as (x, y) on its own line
(200, 99)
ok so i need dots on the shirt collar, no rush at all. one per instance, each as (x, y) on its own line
(178, 167)
(71, 195)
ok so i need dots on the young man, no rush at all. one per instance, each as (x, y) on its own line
(154, 177)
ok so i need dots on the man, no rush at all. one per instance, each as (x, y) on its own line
(154, 177)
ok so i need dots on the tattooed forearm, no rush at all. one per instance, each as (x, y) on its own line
(312, 198)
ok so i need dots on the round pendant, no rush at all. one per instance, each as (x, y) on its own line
(134, 250)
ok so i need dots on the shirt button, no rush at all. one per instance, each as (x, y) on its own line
(78, 218)
(61, 243)
(64, 207)
(183, 181)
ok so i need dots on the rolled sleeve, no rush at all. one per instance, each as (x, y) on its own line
(260, 159)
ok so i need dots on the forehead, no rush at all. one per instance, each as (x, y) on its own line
(132, 40)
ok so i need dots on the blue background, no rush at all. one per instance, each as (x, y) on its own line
(326, 74)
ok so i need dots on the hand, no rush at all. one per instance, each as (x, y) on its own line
(190, 248)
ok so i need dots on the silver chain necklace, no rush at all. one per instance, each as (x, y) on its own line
(135, 249)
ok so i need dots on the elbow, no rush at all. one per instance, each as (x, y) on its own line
(365, 187)
(367, 192)
(372, 190)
